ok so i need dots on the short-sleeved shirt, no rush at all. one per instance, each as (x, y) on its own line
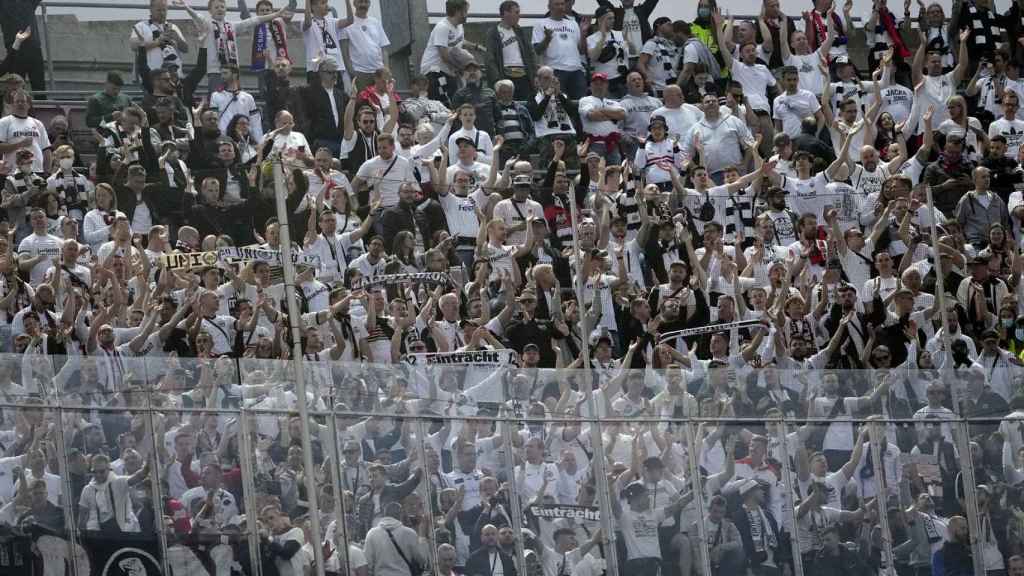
(389, 174)
(13, 128)
(640, 531)
(563, 52)
(322, 39)
(664, 61)
(46, 245)
(755, 80)
(366, 38)
(791, 109)
(444, 35)
(1012, 130)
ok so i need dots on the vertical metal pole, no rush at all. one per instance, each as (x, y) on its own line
(249, 492)
(44, 31)
(513, 496)
(154, 483)
(340, 525)
(428, 502)
(698, 495)
(280, 190)
(596, 441)
(962, 439)
(65, 484)
(879, 442)
(787, 477)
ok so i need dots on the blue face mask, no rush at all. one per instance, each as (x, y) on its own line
(703, 12)
(1007, 322)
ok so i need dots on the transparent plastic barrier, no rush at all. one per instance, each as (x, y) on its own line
(241, 416)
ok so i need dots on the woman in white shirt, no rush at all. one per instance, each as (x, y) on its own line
(99, 221)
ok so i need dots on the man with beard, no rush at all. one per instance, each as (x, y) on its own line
(783, 220)
(489, 554)
(950, 175)
(981, 294)
(956, 555)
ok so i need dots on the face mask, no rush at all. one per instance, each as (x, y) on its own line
(703, 12)
(65, 163)
(1007, 322)
(25, 168)
(1019, 333)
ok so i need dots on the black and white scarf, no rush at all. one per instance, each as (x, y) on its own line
(761, 531)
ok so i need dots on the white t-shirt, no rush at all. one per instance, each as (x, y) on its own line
(484, 146)
(322, 39)
(444, 35)
(971, 148)
(218, 28)
(680, 120)
(291, 143)
(35, 245)
(937, 89)
(811, 528)
(755, 80)
(638, 114)
(146, 31)
(388, 175)
(563, 52)
(602, 283)
(897, 100)
(622, 53)
(640, 531)
(664, 62)
(460, 214)
(807, 196)
(811, 78)
(514, 213)
(791, 109)
(511, 55)
(1012, 130)
(13, 128)
(366, 38)
(598, 127)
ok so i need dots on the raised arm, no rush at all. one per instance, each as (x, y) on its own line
(961, 65)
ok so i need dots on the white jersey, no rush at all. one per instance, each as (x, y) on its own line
(563, 51)
(444, 35)
(322, 38)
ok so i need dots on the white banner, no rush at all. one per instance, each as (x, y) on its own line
(481, 358)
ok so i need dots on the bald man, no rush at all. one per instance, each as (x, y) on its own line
(956, 552)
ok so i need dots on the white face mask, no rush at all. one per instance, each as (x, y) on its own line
(65, 163)
(25, 168)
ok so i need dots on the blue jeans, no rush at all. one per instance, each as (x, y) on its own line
(574, 84)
